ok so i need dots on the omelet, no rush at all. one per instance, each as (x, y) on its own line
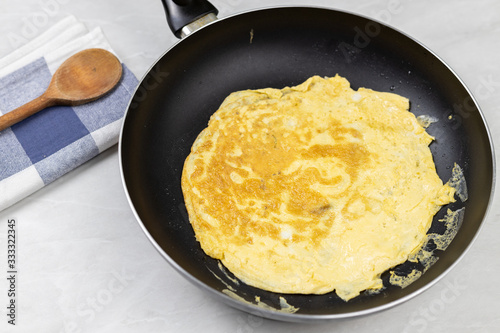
(313, 188)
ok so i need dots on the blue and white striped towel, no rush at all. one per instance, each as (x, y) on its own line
(40, 149)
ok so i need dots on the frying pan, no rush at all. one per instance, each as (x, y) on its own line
(278, 47)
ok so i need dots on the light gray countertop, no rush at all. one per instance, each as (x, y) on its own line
(86, 266)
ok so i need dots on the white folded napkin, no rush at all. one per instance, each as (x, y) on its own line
(43, 147)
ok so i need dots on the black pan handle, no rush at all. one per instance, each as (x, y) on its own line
(181, 13)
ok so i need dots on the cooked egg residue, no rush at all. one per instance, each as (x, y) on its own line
(425, 255)
(312, 188)
(231, 291)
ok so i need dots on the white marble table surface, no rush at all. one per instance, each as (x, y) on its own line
(86, 266)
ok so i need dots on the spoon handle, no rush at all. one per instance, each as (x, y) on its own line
(24, 111)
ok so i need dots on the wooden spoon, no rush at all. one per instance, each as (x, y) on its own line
(82, 78)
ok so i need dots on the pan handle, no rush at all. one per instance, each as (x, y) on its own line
(186, 16)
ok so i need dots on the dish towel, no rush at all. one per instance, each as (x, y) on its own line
(47, 145)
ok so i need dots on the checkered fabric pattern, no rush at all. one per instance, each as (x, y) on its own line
(41, 148)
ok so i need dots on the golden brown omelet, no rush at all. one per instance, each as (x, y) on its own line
(312, 188)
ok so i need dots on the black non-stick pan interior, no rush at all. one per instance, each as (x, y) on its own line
(283, 47)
